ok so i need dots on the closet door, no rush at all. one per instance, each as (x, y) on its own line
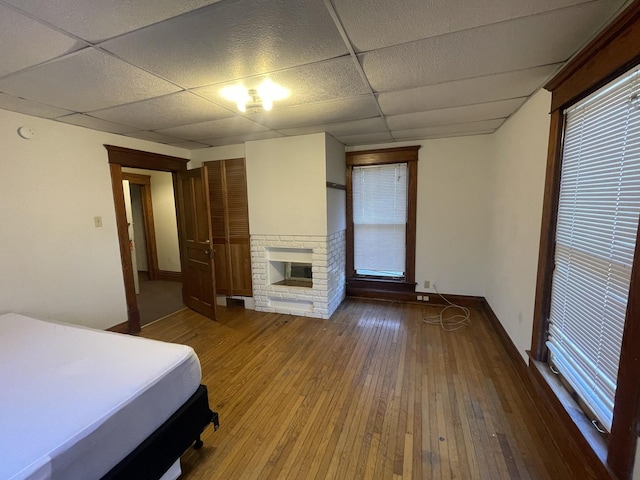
(239, 251)
(217, 201)
(230, 225)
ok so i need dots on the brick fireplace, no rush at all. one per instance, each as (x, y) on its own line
(273, 257)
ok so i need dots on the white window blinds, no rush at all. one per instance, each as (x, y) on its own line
(596, 234)
(379, 219)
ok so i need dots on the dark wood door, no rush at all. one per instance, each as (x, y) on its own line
(238, 238)
(198, 285)
(230, 226)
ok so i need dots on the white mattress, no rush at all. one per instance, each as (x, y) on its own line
(75, 401)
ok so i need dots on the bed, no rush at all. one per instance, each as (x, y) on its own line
(77, 403)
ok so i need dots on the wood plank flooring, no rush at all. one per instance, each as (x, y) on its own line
(373, 393)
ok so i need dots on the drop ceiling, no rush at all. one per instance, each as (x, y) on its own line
(365, 71)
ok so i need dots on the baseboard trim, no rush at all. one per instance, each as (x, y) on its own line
(120, 328)
(581, 459)
(404, 292)
(517, 361)
(169, 276)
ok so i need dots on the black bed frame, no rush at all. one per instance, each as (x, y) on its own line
(153, 457)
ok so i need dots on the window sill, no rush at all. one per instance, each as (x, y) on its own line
(571, 418)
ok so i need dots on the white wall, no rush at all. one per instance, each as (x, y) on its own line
(55, 263)
(336, 173)
(517, 189)
(286, 185)
(164, 218)
(452, 212)
(215, 153)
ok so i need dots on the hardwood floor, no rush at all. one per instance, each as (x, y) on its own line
(372, 393)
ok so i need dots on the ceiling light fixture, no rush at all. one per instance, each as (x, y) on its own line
(255, 99)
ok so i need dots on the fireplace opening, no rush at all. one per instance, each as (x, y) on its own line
(294, 274)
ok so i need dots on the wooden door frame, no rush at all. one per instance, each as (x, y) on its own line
(144, 182)
(126, 157)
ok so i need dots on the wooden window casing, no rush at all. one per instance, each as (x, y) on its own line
(610, 54)
(409, 155)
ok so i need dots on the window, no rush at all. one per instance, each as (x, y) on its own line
(381, 220)
(596, 228)
(582, 297)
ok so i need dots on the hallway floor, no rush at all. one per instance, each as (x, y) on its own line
(158, 298)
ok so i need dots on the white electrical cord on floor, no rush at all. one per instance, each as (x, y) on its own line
(453, 322)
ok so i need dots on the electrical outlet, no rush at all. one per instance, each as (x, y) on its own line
(427, 284)
(419, 298)
(425, 298)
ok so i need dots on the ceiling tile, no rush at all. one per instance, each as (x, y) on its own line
(395, 23)
(523, 43)
(181, 108)
(190, 145)
(470, 128)
(219, 142)
(154, 137)
(232, 40)
(315, 82)
(25, 42)
(365, 139)
(331, 111)
(488, 88)
(355, 127)
(16, 104)
(83, 120)
(226, 127)
(96, 20)
(84, 81)
(446, 116)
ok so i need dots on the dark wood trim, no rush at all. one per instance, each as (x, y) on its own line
(607, 56)
(350, 269)
(441, 299)
(546, 251)
(149, 224)
(169, 276)
(128, 157)
(336, 186)
(119, 157)
(404, 292)
(120, 328)
(137, 178)
(408, 155)
(375, 285)
(571, 430)
(133, 314)
(555, 415)
(611, 53)
(626, 412)
(517, 361)
(412, 208)
(383, 156)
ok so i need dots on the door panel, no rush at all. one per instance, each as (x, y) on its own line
(240, 260)
(198, 287)
(221, 270)
(230, 225)
(215, 174)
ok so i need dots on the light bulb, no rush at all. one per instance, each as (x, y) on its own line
(272, 91)
(267, 104)
(242, 106)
